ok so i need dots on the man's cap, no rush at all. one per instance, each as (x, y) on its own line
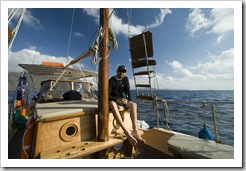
(121, 67)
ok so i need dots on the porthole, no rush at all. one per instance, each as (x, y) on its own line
(69, 131)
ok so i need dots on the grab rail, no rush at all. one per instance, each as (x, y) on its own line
(204, 104)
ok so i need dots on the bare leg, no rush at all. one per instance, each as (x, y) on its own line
(117, 116)
(133, 114)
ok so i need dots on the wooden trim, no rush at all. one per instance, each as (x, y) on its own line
(143, 63)
(143, 73)
(142, 85)
(79, 149)
(137, 46)
(37, 138)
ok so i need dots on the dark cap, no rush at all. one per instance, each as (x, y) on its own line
(121, 67)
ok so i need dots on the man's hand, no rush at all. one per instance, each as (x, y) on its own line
(122, 100)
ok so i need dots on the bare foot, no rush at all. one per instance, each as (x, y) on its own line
(136, 135)
(131, 139)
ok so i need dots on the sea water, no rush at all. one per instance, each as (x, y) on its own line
(188, 118)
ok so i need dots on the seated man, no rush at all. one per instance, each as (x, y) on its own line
(119, 94)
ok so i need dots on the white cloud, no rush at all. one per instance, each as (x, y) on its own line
(26, 56)
(219, 39)
(218, 21)
(92, 12)
(121, 27)
(197, 21)
(178, 67)
(160, 19)
(217, 73)
(223, 20)
(28, 19)
(223, 63)
(77, 34)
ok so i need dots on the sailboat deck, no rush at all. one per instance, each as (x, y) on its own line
(60, 109)
(189, 147)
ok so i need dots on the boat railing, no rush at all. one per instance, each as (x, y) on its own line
(210, 105)
(203, 104)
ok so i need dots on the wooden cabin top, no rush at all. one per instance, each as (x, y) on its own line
(61, 109)
(64, 109)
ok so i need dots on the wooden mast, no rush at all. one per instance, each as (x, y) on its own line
(103, 97)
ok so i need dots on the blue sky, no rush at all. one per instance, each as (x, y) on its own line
(193, 47)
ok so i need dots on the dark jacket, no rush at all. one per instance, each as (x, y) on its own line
(119, 88)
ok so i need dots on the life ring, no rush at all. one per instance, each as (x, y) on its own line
(23, 105)
(28, 138)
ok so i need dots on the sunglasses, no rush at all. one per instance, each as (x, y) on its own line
(122, 70)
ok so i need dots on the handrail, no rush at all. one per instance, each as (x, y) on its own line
(189, 102)
(203, 103)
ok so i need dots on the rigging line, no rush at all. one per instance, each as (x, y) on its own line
(10, 13)
(71, 28)
(99, 28)
(15, 31)
(13, 14)
(108, 18)
(128, 22)
(39, 37)
(103, 28)
(88, 33)
(156, 80)
(101, 33)
(146, 20)
(36, 48)
(91, 88)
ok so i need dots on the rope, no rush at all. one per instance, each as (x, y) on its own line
(44, 19)
(15, 31)
(146, 22)
(95, 46)
(155, 103)
(166, 113)
(112, 37)
(204, 105)
(128, 22)
(108, 18)
(71, 28)
(91, 88)
(12, 14)
(58, 78)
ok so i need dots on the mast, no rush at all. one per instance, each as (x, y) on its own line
(103, 97)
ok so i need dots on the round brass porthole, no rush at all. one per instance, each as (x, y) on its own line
(69, 131)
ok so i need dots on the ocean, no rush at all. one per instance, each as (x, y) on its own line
(189, 118)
